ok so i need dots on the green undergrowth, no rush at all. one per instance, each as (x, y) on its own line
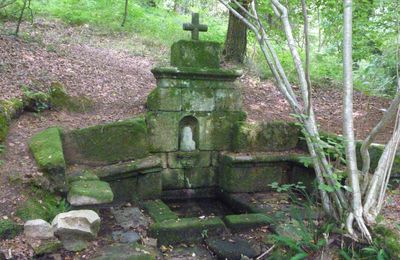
(9, 229)
(42, 205)
(155, 24)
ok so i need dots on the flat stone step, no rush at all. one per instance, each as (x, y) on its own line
(233, 248)
(246, 221)
(89, 192)
(186, 230)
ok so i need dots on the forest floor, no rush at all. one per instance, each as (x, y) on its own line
(113, 70)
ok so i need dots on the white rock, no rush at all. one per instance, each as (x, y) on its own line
(38, 228)
(75, 228)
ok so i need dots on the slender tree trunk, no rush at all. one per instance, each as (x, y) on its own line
(236, 39)
(125, 13)
(21, 16)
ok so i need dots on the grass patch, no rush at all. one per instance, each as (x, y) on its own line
(42, 205)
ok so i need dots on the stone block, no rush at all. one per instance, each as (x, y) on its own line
(185, 230)
(216, 129)
(163, 130)
(165, 99)
(228, 99)
(189, 159)
(246, 221)
(196, 54)
(200, 178)
(38, 229)
(107, 144)
(198, 99)
(173, 179)
(47, 149)
(159, 211)
(149, 186)
(267, 136)
(252, 178)
(124, 189)
(92, 192)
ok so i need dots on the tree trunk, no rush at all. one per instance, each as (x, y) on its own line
(236, 39)
(125, 13)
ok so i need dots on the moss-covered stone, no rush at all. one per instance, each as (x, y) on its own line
(9, 229)
(271, 136)
(187, 82)
(47, 246)
(159, 211)
(149, 186)
(106, 144)
(59, 99)
(228, 99)
(304, 175)
(91, 192)
(165, 99)
(186, 230)
(195, 54)
(47, 150)
(216, 129)
(200, 177)
(9, 109)
(246, 178)
(246, 221)
(163, 130)
(84, 175)
(198, 99)
(173, 179)
(189, 159)
(207, 75)
(125, 252)
(125, 190)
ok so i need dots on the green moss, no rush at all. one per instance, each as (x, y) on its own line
(85, 175)
(47, 149)
(173, 179)
(388, 238)
(149, 185)
(178, 160)
(42, 205)
(59, 99)
(165, 99)
(208, 75)
(9, 229)
(246, 221)
(247, 178)
(200, 178)
(47, 247)
(159, 211)
(271, 136)
(106, 144)
(186, 230)
(4, 126)
(90, 193)
(195, 54)
(163, 130)
(198, 99)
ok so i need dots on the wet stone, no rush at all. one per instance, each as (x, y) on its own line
(233, 248)
(128, 217)
(128, 237)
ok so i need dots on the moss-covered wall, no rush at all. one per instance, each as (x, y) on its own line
(265, 136)
(107, 144)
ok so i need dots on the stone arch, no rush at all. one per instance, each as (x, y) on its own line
(193, 123)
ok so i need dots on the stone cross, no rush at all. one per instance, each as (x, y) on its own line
(195, 27)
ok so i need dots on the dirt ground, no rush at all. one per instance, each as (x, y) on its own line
(114, 71)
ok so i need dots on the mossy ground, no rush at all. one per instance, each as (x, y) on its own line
(9, 229)
(159, 211)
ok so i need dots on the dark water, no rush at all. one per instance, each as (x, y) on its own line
(199, 207)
